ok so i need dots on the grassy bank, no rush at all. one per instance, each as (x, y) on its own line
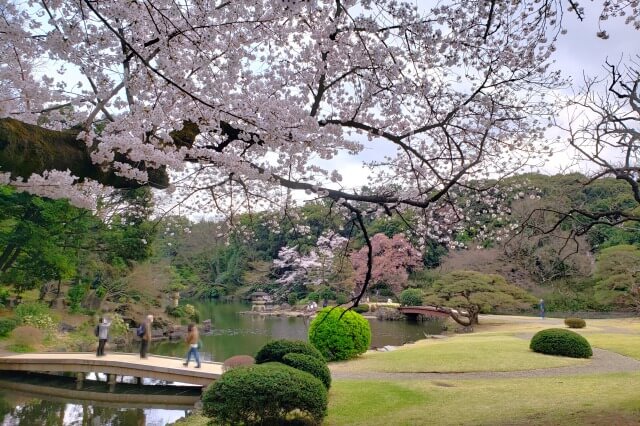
(498, 344)
(466, 353)
(557, 401)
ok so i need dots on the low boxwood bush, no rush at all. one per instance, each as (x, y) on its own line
(558, 341)
(266, 394)
(340, 334)
(7, 325)
(361, 308)
(341, 299)
(237, 361)
(277, 349)
(312, 365)
(411, 297)
(575, 323)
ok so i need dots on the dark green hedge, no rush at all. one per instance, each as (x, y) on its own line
(266, 394)
(7, 325)
(312, 365)
(411, 297)
(575, 322)
(558, 341)
(277, 349)
(361, 308)
(338, 336)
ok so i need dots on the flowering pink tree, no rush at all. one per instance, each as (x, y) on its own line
(315, 267)
(243, 97)
(393, 260)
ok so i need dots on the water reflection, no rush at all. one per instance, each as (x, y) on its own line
(43, 399)
(23, 409)
(237, 334)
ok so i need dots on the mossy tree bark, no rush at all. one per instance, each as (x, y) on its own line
(26, 149)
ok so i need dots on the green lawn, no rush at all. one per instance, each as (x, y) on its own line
(480, 352)
(600, 399)
(612, 398)
(625, 344)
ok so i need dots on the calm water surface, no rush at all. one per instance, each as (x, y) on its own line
(233, 334)
(244, 334)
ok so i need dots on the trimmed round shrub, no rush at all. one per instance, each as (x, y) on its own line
(277, 349)
(312, 365)
(559, 341)
(313, 296)
(7, 325)
(237, 361)
(361, 308)
(341, 299)
(411, 297)
(338, 336)
(575, 323)
(266, 394)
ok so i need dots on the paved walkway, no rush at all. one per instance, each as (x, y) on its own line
(122, 364)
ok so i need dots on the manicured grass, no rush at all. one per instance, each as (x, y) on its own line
(557, 401)
(562, 400)
(625, 344)
(478, 352)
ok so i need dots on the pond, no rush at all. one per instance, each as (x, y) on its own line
(233, 334)
(243, 334)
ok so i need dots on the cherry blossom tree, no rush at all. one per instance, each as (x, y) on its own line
(393, 259)
(315, 267)
(244, 98)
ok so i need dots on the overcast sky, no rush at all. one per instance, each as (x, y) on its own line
(579, 52)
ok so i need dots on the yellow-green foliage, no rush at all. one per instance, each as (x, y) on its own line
(340, 334)
(575, 322)
(118, 328)
(37, 315)
(616, 276)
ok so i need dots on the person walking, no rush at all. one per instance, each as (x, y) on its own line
(102, 332)
(541, 306)
(192, 340)
(144, 333)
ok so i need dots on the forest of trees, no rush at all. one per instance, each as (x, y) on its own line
(45, 243)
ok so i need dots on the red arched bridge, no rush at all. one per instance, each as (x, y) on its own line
(429, 311)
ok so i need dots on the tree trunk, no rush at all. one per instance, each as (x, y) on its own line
(26, 149)
(9, 262)
(6, 254)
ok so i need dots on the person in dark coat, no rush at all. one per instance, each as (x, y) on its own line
(145, 336)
